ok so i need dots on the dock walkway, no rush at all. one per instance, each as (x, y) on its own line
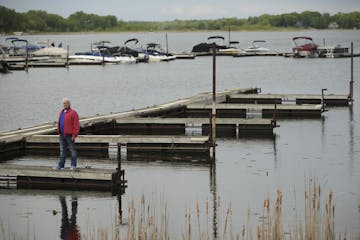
(225, 127)
(267, 110)
(46, 178)
(329, 99)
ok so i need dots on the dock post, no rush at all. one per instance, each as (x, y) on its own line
(27, 57)
(67, 56)
(351, 94)
(213, 115)
(322, 99)
(119, 158)
(274, 115)
(167, 44)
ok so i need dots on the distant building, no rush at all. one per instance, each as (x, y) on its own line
(333, 25)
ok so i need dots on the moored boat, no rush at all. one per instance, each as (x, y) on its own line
(103, 55)
(304, 47)
(130, 48)
(157, 54)
(257, 47)
(205, 48)
(333, 51)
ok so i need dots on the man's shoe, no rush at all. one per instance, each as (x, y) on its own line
(72, 168)
(58, 168)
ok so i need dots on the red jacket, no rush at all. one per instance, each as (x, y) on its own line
(71, 123)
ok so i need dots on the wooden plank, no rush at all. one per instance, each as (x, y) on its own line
(231, 121)
(48, 172)
(30, 129)
(329, 99)
(289, 96)
(225, 106)
(124, 139)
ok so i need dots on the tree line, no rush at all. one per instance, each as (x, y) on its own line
(40, 21)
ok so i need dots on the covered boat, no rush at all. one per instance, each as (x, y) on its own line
(130, 48)
(221, 48)
(304, 47)
(157, 54)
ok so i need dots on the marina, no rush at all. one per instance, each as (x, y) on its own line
(146, 102)
(24, 57)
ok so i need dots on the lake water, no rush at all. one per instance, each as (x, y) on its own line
(247, 170)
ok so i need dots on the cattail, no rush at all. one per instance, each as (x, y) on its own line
(266, 204)
(243, 231)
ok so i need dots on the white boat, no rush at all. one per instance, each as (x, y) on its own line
(206, 48)
(126, 59)
(101, 55)
(257, 48)
(157, 54)
(53, 52)
(84, 59)
(230, 50)
(333, 51)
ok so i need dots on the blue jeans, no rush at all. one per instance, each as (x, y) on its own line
(66, 141)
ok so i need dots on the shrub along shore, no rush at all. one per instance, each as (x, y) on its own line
(36, 21)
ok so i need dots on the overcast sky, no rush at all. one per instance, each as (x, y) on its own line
(159, 10)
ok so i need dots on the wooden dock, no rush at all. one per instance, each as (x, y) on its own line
(88, 145)
(41, 177)
(329, 99)
(225, 127)
(155, 132)
(225, 110)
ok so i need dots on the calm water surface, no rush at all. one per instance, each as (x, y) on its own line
(247, 170)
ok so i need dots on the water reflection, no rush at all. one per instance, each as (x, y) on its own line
(213, 191)
(351, 138)
(69, 228)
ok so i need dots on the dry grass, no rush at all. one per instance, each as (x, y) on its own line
(146, 221)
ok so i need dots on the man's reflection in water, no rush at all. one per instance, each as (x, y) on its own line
(69, 229)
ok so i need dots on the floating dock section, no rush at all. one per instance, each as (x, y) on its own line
(329, 99)
(226, 110)
(93, 145)
(41, 177)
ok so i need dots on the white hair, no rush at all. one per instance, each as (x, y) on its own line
(65, 99)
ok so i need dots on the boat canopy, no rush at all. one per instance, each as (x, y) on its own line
(234, 42)
(11, 38)
(101, 42)
(308, 38)
(131, 40)
(152, 45)
(214, 37)
(259, 41)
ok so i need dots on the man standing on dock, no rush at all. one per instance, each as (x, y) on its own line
(68, 128)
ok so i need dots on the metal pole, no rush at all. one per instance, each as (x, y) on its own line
(67, 55)
(322, 99)
(119, 159)
(213, 113)
(27, 56)
(167, 44)
(229, 36)
(103, 55)
(352, 73)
